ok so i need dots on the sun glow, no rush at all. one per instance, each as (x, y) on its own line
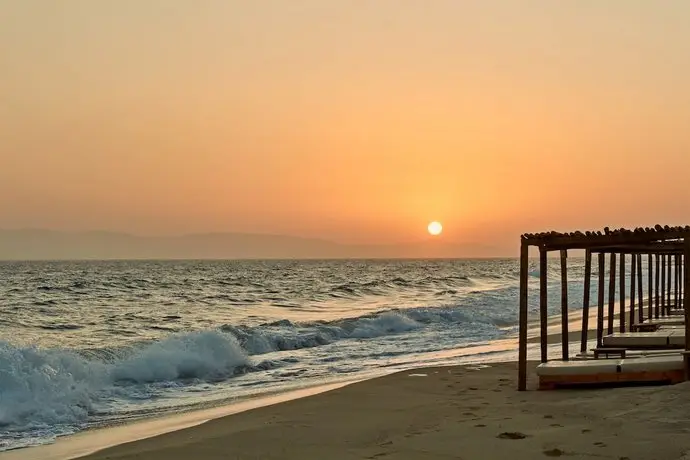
(435, 228)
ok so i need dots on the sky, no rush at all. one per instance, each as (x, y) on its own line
(353, 121)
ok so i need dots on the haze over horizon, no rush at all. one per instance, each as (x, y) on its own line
(357, 123)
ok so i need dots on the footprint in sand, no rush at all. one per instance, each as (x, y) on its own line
(512, 435)
(480, 426)
(548, 416)
(586, 431)
(554, 453)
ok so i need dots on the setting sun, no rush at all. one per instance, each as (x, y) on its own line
(435, 228)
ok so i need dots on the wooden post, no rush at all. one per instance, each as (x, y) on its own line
(657, 305)
(676, 281)
(621, 320)
(650, 286)
(640, 290)
(669, 287)
(522, 348)
(543, 304)
(663, 285)
(600, 303)
(564, 304)
(686, 302)
(612, 293)
(585, 301)
(682, 277)
(633, 280)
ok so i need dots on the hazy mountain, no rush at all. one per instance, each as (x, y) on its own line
(55, 245)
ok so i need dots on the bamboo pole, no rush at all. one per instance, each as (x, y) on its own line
(633, 280)
(564, 305)
(650, 286)
(543, 304)
(522, 348)
(640, 290)
(612, 293)
(600, 294)
(585, 301)
(657, 305)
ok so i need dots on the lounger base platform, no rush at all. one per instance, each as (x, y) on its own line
(658, 370)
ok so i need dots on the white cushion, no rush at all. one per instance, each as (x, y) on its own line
(665, 321)
(597, 366)
(631, 339)
(653, 364)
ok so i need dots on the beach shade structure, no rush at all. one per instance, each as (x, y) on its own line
(651, 318)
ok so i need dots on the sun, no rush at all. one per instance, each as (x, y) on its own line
(435, 228)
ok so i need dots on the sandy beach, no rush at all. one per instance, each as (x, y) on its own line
(465, 412)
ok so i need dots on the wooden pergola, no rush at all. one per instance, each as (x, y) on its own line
(666, 250)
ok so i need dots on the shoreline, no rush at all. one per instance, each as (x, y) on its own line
(95, 440)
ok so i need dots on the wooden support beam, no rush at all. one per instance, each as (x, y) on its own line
(657, 276)
(586, 300)
(668, 284)
(656, 248)
(543, 304)
(640, 291)
(676, 281)
(633, 281)
(650, 286)
(612, 293)
(686, 304)
(522, 347)
(621, 319)
(663, 284)
(555, 242)
(600, 303)
(564, 305)
(683, 286)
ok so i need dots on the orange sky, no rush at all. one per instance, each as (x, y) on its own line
(357, 121)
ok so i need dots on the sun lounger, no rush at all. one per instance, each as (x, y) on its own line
(674, 320)
(657, 369)
(638, 340)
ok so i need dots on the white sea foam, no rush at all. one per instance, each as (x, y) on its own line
(57, 390)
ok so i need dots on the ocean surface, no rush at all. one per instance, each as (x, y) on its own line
(86, 344)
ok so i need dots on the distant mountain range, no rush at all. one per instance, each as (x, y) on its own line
(98, 245)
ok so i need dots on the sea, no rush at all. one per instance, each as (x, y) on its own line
(91, 344)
